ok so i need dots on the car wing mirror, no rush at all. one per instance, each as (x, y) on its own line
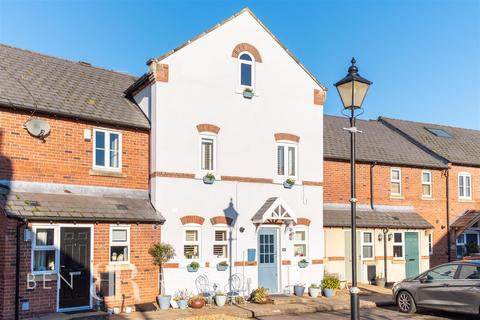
(425, 278)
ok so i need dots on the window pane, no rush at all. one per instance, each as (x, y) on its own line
(467, 187)
(190, 251)
(191, 235)
(119, 253)
(207, 154)
(44, 237)
(221, 235)
(300, 235)
(114, 149)
(100, 140)
(300, 250)
(368, 252)
(426, 189)
(220, 251)
(442, 273)
(397, 252)
(44, 260)
(291, 161)
(426, 177)
(245, 57)
(367, 237)
(280, 161)
(397, 237)
(246, 74)
(395, 187)
(395, 175)
(119, 235)
(469, 272)
(100, 157)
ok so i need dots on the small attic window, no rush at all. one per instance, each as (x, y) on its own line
(439, 132)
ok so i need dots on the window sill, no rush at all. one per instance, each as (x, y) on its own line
(465, 200)
(39, 277)
(397, 197)
(427, 198)
(120, 266)
(106, 173)
(240, 91)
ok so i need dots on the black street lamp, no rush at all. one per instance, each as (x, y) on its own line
(352, 90)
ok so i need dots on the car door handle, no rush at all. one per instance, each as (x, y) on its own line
(445, 285)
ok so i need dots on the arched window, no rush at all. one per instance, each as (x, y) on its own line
(247, 64)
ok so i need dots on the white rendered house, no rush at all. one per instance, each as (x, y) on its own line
(204, 122)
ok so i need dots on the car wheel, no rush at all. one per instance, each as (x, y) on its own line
(405, 302)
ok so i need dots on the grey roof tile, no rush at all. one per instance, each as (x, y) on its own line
(376, 143)
(66, 88)
(462, 147)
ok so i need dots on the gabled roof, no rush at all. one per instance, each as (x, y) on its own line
(466, 220)
(461, 147)
(376, 143)
(30, 80)
(274, 209)
(145, 77)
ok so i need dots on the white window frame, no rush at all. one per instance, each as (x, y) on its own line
(286, 145)
(465, 175)
(369, 244)
(198, 242)
(55, 247)
(213, 137)
(300, 242)
(399, 181)
(429, 183)
(402, 244)
(119, 244)
(220, 228)
(252, 64)
(107, 150)
(430, 244)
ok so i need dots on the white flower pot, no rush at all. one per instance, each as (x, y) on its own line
(314, 292)
(220, 300)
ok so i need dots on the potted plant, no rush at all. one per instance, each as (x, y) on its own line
(314, 290)
(181, 297)
(161, 254)
(380, 281)
(222, 266)
(289, 183)
(220, 298)
(248, 93)
(329, 284)
(209, 178)
(260, 295)
(193, 266)
(299, 289)
(303, 263)
(197, 302)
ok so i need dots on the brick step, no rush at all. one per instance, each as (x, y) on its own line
(285, 299)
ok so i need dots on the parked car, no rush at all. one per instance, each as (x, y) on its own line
(453, 286)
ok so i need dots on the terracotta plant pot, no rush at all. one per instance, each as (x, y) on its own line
(197, 304)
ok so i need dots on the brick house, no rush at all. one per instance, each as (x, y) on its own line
(74, 201)
(460, 148)
(400, 189)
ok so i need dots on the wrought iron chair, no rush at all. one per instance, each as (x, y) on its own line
(206, 288)
(235, 287)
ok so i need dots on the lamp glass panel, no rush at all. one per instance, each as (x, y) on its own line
(345, 92)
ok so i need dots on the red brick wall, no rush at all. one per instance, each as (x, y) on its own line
(458, 206)
(65, 157)
(337, 190)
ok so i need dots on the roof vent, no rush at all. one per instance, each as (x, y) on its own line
(85, 63)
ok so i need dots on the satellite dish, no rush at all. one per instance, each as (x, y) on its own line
(37, 127)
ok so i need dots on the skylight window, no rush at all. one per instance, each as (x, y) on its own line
(439, 132)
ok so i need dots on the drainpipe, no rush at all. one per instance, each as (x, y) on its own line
(447, 191)
(385, 237)
(371, 185)
(20, 224)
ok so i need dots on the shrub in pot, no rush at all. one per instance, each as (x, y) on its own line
(329, 284)
(196, 302)
(222, 266)
(209, 178)
(220, 299)
(289, 183)
(299, 289)
(181, 297)
(303, 263)
(193, 266)
(260, 295)
(314, 290)
(248, 93)
(161, 254)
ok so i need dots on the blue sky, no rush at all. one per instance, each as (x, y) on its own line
(423, 56)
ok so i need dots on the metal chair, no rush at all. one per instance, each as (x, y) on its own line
(235, 286)
(205, 288)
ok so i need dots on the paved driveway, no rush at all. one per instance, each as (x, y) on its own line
(374, 314)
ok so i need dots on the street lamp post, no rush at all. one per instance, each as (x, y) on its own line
(352, 90)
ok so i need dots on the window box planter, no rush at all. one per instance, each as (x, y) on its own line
(248, 93)
(288, 184)
(303, 263)
(299, 290)
(209, 178)
(193, 267)
(222, 266)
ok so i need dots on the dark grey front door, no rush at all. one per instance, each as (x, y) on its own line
(74, 268)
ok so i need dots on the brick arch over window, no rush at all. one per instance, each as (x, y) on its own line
(192, 219)
(249, 48)
(286, 136)
(303, 221)
(206, 127)
(221, 220)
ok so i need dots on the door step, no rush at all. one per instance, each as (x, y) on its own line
(285, 299)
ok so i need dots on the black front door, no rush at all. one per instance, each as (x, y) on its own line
(74, 268)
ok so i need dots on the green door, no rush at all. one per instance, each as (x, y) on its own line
(412, 257)
(348, 256)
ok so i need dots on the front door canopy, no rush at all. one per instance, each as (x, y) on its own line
(274, 210)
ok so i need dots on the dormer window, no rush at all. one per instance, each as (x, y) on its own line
(247, 63)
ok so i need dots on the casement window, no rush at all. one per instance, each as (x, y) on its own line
(191, 246)
(287, 160)
(107, 153)
(247, 69)
(119, 244)
(398, 248)
(395, 182)
(300, 242)
(464, 186)
(207, 153)
(43, 250)
(430, 244)
(461, 246)
(220, 244)
(426, 184)
(367, 246)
